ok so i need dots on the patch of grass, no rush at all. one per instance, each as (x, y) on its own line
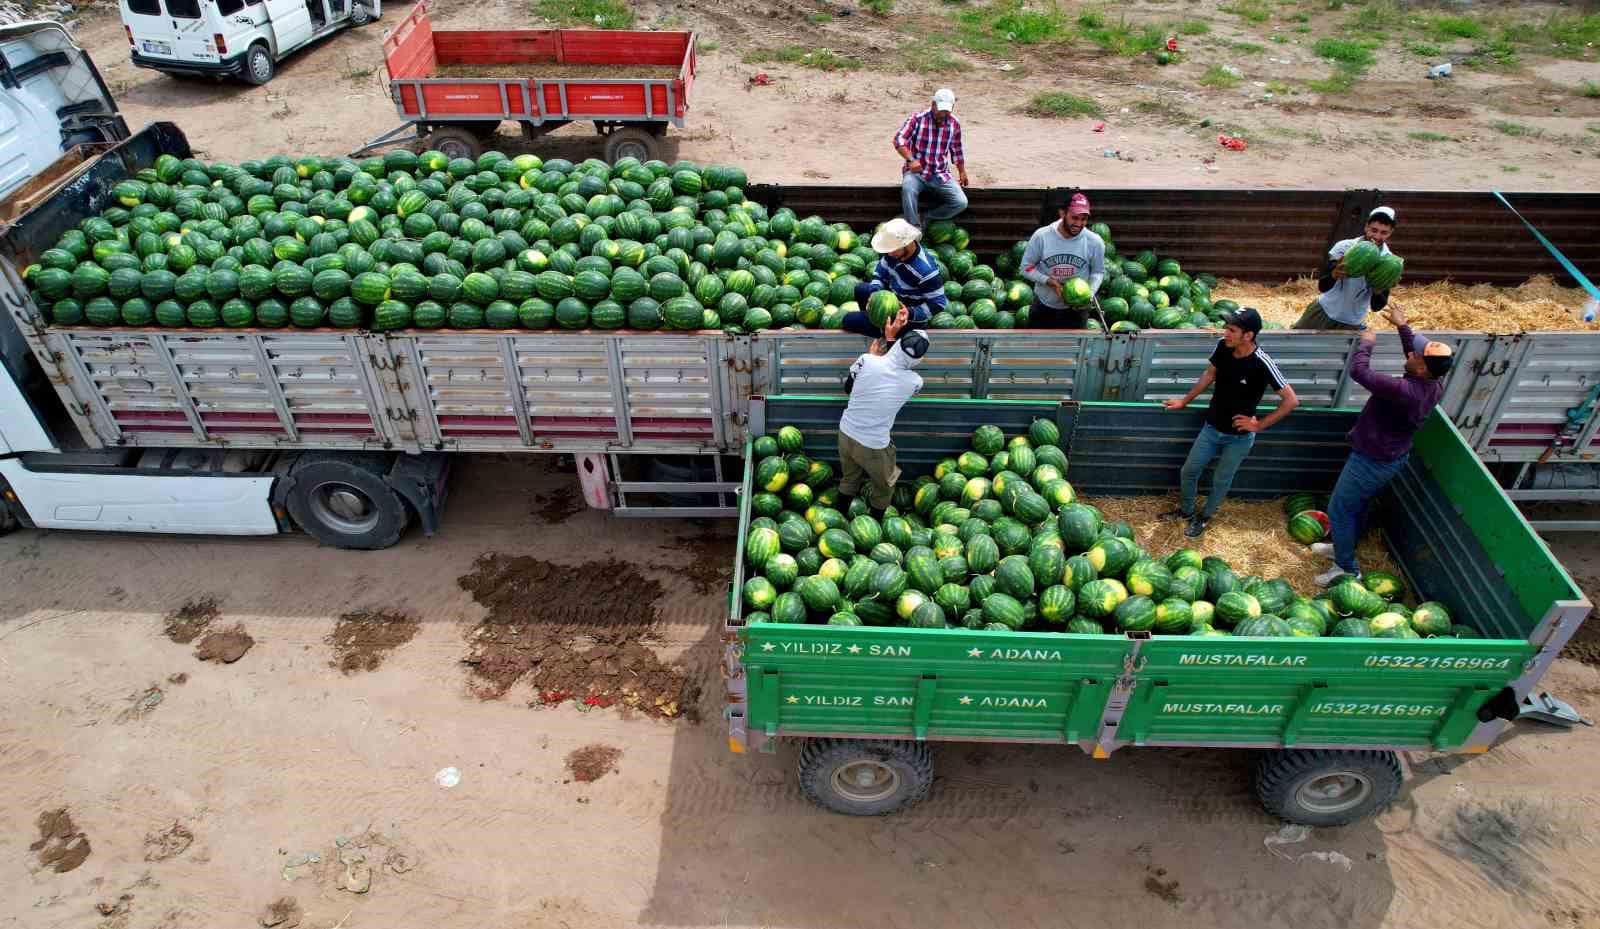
(1510, 169)
(1279, 88)
(1060, 104)
(1515, 130)
(1280, 39)
(1031, 27)
(822, 59)
(1299, 18)
(355, 73)
(1588, 89)
(1193, 27)
(1339, 82)
(707, 46)
(817, 19)
(1427, 137)
(1302, 29)
(1350, 53)
(607, 14)
(1169, 111)
(879, 7)
(1445, 28)
(1424, 49)
(1248, 48)
(1375, 14)
(1121, 37)
(1251, 11)
(1495, 55)
(1572, 34)
(1593, 127)
(931, 58)
(1220, 78)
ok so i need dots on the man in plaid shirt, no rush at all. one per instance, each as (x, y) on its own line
(929, 141)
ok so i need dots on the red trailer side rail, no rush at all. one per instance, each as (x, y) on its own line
(637, 109)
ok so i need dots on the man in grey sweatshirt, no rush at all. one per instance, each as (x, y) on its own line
(1057, 253)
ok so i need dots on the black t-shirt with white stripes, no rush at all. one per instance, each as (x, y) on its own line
(1239, 385)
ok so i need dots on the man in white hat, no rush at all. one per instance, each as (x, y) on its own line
(1344, 301)
(908, 271)
(929, 141)
(880, 383)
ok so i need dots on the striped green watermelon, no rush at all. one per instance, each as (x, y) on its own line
(1305, 528)
(1056, 604)
(1004, 610)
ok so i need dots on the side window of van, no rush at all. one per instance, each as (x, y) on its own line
(145, 7)
(229, 7)
(183, 9)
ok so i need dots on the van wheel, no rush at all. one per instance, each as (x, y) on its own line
(360, 14)
(258, 66)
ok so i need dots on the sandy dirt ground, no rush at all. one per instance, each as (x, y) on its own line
(812, 125)
(202, 792)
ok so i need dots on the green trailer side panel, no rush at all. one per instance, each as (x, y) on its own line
(928, 683)
(1534, 575)
(1394, 692)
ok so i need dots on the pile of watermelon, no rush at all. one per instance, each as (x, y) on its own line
(422, 241)
(996, 539)
(1144, 291)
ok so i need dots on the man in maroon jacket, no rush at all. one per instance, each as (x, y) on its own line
(1380, 443)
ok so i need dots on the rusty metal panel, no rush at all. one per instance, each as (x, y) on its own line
(1470, 237)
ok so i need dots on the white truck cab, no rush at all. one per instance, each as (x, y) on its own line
(239, 38)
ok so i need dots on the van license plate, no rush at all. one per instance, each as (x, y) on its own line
(157, 48)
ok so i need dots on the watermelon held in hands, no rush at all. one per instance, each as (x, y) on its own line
(1361, 258)
(1386, 273)
(882, 307)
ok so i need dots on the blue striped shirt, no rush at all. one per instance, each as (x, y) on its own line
(917, 282)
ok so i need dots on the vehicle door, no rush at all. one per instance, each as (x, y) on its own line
(191, 30)
(149, 28)
(291, 23)
(240, 23)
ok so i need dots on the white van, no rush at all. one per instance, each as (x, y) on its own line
(242, 38)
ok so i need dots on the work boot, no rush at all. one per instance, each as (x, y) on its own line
(1196, 527)
(1331, 576)
(1325, 549)
(844, 503)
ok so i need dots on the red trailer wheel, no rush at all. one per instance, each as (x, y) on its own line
(631, 143)
(455, 143)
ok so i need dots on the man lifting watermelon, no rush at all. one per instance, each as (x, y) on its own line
(929, 141)
(906, 275)
(1346, 283)
(1066, 263)
(879, 384)
(1380, 442)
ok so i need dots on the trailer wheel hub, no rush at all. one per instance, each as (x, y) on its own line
(866, 781)
(1335, 792)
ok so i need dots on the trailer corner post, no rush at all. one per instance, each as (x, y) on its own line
(1107, 739)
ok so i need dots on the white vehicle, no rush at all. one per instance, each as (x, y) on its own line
(52, 100)
(239, 38)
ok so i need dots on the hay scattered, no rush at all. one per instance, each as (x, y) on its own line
(1539, 305)
(1250, 534)
(552, 69)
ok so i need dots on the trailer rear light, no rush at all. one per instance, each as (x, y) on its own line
(221, 43)
(129, 30)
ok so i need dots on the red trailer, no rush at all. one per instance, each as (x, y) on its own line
(453, 88)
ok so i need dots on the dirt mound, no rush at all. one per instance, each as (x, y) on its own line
(575, 632)
(187, 622)
(61, 847)
(224, 647)
(709, 561)
(363, 638)
(168, 843)
(592, 762)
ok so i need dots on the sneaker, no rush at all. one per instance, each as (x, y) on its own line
(1196, 527)
(1331, 576)
(1176, 513)
(1325, 549)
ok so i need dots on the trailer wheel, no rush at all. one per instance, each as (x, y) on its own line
(342, 501)
(631, 143)
(863, 778)
(455, 143)
(258, 67)
(1324, 787)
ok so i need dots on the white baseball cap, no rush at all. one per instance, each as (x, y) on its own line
(894, 235)
(944, 99)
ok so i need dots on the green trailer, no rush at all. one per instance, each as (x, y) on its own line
(1328, 715)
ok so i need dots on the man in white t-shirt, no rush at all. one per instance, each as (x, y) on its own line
(880, 383)
(1344, 301)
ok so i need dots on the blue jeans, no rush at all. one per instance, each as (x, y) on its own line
(1361, 480)
(860, 324)
(951, 198)
(1229, 452)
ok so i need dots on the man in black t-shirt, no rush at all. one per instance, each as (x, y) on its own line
(1241, 373)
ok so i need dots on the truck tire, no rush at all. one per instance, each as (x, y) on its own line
(258, 66)
(862, 778)
(1326, 787)
(631, 143)
(455, 143)
(342, 501)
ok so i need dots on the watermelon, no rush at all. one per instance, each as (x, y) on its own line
(1352, 627)
(1111, 555)
(923, 572)
(1386, 273)
(987, 440)
(788, 607)
(1361, 258)
(1044, 432)
(1077, 571)
(759, 593)
(1047, 562)
(821, 594)
(1056, 604)
(1149, 578)
(1235, 607)
(889, 581)
(1079, 525)
(1014, 577)
(1388, 625)
(1385, 585)
(1431, 618)
(1098, 599)
(1350, 598)
(1305, 528)
(1173, 616)
(1135, 614)
(761, 545)
(1004, 610)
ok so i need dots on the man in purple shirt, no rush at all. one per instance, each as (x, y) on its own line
(1380, 443)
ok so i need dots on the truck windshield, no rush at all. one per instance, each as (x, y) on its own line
(183, 9)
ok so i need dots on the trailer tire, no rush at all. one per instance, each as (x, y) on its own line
(1327, 787)
(862, 778)
(258, 67)
(631, 143)
(456, 143)
(343, 501)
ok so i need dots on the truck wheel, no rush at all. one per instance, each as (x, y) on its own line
(865, 778)
(360, 15)
(258, 66)
(1324, 787)
(455, 143)
(631, 143)
(343, 501)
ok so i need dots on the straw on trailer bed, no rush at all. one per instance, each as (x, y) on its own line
(1539, 305)
(556, 69)
(1250, 534)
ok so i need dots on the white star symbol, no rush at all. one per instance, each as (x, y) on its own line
(854, 649)
(974, 653)
(793, 699)
(768, 646)
(965, 700)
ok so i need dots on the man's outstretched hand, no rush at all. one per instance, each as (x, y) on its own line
(891, 329)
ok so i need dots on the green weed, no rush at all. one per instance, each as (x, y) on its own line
(1248, 48)
(817, 19)
(607, 14)
(1059, 104)
(1031, 27)
(1339, 82)
(1279, 88)
(1515, 130)
(1424, 49)
(1169, 111)
(931, 58)
(1445, 28)
(822, 59)
(1193, 27)
(1348, 52)
(880, 7)
(1121, 37)
(1571, 33)
(1376, 14)
(1589, 89)
(1427, 137)
(707, 46)
(1510, 169)
(1251, 11)
(1219, 78)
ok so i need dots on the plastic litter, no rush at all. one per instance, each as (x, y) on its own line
(1590, 309)
(1233, 71)
(760, 80)
(1289, 834)
(1231, 143)
(447, 777)
(1099, 127)
(1440, 70)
